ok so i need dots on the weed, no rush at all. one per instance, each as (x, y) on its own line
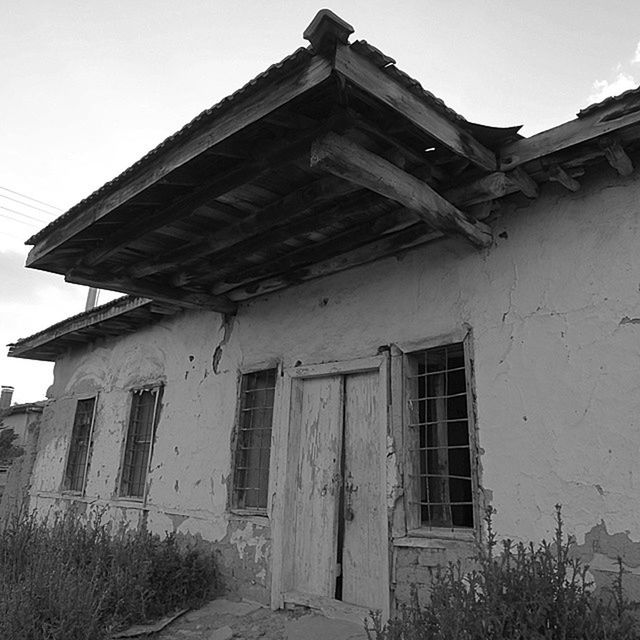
(521, 592)
(77, 579)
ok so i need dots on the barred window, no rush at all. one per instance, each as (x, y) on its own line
(75, 476)
(253, 440)
(143, 420)
(442, 482)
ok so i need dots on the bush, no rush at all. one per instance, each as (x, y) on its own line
(75, 579)
(523, 592)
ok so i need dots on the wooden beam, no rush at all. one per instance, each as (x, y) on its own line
(385, 246)
(364, 74)
(617, 158)
(163, 293)
(271, 216)
(244, 110)
(559, 175)
(346, 159)
(593, 125)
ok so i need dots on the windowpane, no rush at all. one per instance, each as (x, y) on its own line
(439, 431)
(80, 447)
(143, 419)
(253, 440)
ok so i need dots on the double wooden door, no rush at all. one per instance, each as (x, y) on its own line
(335, 512)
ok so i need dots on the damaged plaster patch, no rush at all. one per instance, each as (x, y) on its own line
(227, 328)
(176, 520)
(602, 551)
(247, 538)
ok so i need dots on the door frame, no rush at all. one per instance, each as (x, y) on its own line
(284, 460)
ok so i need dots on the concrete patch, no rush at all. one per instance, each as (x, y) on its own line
(314, 627)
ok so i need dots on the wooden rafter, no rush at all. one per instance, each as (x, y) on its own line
(592, 126)
(163, 293)
(364, 74)
(344, 158)
(276, 155)
(273, 215)
(380, 248)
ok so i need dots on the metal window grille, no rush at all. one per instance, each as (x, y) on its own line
(145, 410)
(253, 440)
(439, 440)
(75, 477)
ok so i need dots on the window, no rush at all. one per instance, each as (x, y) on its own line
(253, 440)
(75, 476)
(143, 420)
(441, 477)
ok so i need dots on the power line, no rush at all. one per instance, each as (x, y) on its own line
(22, 195)
(19, 213)
(25, 204)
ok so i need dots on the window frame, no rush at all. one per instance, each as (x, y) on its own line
(413, 522)
(158, 390)
(232, 501)
(85, 473)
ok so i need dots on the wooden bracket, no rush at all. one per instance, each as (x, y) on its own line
(617, 157)
(524, 182)
(558, 174)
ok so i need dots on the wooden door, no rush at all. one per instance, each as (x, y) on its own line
(316, 485)
(364, 552)
(330, 520)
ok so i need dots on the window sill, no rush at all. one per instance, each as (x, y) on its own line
(434, 538)
(257, 515)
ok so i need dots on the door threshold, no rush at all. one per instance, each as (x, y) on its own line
(329, 607)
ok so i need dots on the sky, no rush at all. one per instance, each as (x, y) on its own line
(89, 86)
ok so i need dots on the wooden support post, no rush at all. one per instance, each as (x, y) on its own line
(350, 161)
(559, 175)
(617, 158)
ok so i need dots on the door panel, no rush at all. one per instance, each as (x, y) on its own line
(316, 484)
(365, 553)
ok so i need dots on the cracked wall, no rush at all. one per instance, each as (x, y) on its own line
(553, 306)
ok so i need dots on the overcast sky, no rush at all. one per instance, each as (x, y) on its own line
(89, 86)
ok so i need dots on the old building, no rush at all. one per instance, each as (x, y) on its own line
(355, 322)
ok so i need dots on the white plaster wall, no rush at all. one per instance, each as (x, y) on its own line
(553, 308)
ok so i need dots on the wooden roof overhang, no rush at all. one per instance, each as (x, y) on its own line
(330, 159)
(116, 318)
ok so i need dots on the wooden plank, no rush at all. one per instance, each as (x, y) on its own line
(317, 483)
(364, 74)
(614, 118)
(164, 293)
(273, 215)
(346, 159)
(397, 517)
(365, 550)
(385, 246)
(244, 111)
